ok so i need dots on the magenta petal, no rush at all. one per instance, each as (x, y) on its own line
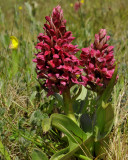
(55, 56)
(74, 80)
(91, 66)
(34, 60)
(63, 83)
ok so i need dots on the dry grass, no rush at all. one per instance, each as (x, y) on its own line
(118, 146)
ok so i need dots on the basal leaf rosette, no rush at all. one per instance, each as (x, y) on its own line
(57, 66)
(98, 62)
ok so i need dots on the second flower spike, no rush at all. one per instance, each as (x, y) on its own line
(98, 62)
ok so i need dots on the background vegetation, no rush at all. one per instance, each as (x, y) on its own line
(23, 104)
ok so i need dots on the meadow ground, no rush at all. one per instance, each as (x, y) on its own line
(23, 104)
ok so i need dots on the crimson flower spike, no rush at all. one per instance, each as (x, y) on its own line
(98, 62)
(56, 63)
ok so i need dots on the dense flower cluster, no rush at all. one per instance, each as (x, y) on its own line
(98, 61)
(57, 65)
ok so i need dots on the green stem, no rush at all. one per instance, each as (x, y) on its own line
(68, 108)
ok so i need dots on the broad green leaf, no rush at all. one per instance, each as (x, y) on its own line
(67, 153)
(86, 123)
(79, 105)
(4, 152)
(77, 138)
(104, 121)
(46, 124)
(83, 94)
(67, 126)
(38, 155)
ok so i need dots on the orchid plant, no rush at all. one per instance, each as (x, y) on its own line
(59, 70)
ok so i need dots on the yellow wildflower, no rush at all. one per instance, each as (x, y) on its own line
(13, 43)
(71, 4)
(82, 1)
(20, 8)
